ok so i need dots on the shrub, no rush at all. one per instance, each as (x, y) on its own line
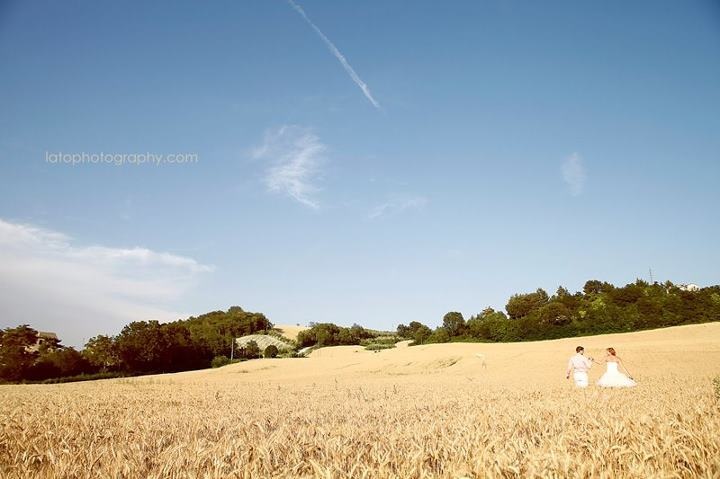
(271, 351)
(440, 335)
(554, 313)
(379, 346)
(219, 361)
(381, 340)
(84, 377)
(329, 334)
(454, 323)
(250, 351)
(520, 305)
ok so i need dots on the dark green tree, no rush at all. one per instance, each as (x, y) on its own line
(626, 295)
(329, 334)
(16, 356)
(416, 331)
(142, 347)
(440, 335)
(555, 313)
(61, 362)
(271, 351)
(454, 323)
(219, 361)
(101, 352)
(251, 350)
(520, 305)
(594, 286)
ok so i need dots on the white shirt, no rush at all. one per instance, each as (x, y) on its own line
(579, 363)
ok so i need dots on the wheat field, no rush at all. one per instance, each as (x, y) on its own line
(448, 410)
(290, 331)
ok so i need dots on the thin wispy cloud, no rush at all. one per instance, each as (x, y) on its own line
(295, 155)
(573, 173)
(49, 280)
(341, 58)
(396, 206)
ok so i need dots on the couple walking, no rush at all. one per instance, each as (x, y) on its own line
(579, 365)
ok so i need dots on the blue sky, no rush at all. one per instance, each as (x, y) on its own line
(512, 145)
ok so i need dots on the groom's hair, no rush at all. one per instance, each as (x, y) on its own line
(579, 348)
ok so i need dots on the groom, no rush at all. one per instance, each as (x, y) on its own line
(579, 366)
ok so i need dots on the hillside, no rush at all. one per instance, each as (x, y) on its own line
(263, 341)
(652, 353)
(423, 411)
(290, 331)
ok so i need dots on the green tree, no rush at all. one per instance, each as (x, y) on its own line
(416, 331)
(562, 292)
(488, 325)
(440, 335)
(421, 334)
(454, 323)
(219, 361)
(213, 331)
(100, 351)
(16, 358)
(594, 286)
(403, 331)
(251, 350)
(329, 334)
(626, 295)
(555, 314)
(60, 362)
(520, 305)
(271, 351)
(142, 346)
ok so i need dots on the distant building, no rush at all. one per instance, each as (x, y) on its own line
(689, 287)
(43, 337)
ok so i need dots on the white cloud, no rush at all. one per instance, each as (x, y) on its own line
(341, 58)
(397, 205)
(573, 173)
(295, 154)
(51, 283)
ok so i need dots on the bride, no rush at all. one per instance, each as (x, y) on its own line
(613, 378)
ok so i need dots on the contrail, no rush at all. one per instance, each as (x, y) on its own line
(358, 81)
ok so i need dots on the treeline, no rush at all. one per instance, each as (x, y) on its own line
(599, 308)
(142, 347)
(329, 334)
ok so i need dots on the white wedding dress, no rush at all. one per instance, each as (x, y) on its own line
(614, 378)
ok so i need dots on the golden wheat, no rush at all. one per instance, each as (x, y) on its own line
(410, 412)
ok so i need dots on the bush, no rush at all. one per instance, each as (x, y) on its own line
(520, 305)
(219, 361)
(84, 377)
(381, 340)
(379, 346)
(418, 332)
(251, 350)
(329, 334)
(554, 313)
(271, 351)
(716, 386)
(440, 335)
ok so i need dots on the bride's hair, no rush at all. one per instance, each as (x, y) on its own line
(611, 351)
